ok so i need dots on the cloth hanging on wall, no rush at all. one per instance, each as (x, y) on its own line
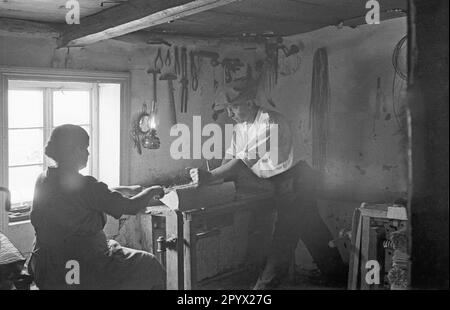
(319, 108)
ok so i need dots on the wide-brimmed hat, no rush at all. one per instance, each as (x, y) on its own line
(235, 92)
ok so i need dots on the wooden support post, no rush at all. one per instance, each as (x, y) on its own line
(190, 253)
(355, 251)
(174, 257)
(365, 242)
(428, 52)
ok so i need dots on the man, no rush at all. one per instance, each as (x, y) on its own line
(263, 142)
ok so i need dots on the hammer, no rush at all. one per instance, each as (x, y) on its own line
(170, 77)
(155, 72)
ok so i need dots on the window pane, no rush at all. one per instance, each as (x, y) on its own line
(71, 107)
(25, 146)
(25, 108)
(109, 126)
(88, 130)
(86, 170)
(21, 183)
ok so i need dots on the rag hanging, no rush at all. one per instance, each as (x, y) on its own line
(319, 108)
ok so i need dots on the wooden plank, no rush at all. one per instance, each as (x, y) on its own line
(130, 17)
(372, 254)
(365, 241)
(192, 196)
(145, 222)
(175, 257)
(190, 253)
(355, 251)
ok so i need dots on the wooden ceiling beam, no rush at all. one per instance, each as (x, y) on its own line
(146, 39)
(132, 16)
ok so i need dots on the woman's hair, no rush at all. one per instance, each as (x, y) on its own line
(64, 140)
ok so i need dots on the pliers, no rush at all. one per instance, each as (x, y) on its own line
(184, 81)
(177, 61)
(168, 60)
(159, 60)
(194, 76)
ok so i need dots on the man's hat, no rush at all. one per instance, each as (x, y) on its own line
(234, 92)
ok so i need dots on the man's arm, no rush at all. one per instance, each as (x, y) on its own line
(229, 168)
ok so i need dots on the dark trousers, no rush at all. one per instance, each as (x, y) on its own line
(298, 218)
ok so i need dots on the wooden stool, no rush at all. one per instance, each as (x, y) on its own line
(372, 223)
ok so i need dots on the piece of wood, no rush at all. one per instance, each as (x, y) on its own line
(145, 225)
(192, 196)
(175, 257)
(142, 38)
(190, 253)
(365, 241)
(373, 254)
(132, 16)
(355, 251)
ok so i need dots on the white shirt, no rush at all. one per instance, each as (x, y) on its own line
(266, 146)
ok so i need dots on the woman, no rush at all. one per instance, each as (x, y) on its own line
(71, 249)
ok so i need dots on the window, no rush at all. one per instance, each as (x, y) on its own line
(36, 107)
(33, 101)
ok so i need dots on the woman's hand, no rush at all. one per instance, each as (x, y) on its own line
(148, 197)
(135, 189)
(155, 192)
(200, 176)
(129, 191)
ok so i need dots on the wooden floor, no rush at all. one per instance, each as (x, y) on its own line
(246, 281)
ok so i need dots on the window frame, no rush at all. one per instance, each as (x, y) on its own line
(46, 75)
(48, 89)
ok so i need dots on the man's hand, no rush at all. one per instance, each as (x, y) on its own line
(113, 247)
(200, 176)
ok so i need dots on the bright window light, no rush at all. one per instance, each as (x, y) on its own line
(36, 108)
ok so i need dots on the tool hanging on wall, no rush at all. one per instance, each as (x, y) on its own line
(215, 82)
(184, 81)
(214, 62)
(168, 59)
(159, 63)
(159, 42)
(170, 77)
(67, 59)
(177, 61)
(194, 71)
(151, 141)
(272, 47)
(319, 108)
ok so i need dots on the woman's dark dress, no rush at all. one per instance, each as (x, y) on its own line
(68, 216)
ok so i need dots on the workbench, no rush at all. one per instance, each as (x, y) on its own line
(216, 241)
